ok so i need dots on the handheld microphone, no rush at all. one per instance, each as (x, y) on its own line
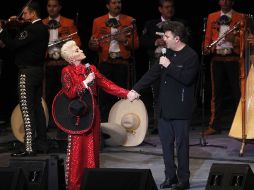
(88, 67)
(163, 51)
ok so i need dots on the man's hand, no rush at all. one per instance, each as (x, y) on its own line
(122, 37)
(160, 42)
(2, 44)
(1, 26)
(206, 51)
(164, 61)
(230, 37)
(132, 95)
(93, 44)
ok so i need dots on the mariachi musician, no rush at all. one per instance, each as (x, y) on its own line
(59, 28)
(30, 46)
(115, 52)
(225, 59)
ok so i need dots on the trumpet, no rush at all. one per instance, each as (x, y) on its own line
(62, 40)
(236, 26)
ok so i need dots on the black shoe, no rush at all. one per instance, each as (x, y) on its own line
(168, 182)
(23, 154)
(182, 186)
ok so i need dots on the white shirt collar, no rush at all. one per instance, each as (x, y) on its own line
(117, 17)
(57, 18)
(163, 19)
(229, 14)
(36, 20)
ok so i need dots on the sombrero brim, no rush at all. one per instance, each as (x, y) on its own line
(137, 107)
(117, 134)
(65, 121)
(17, 122)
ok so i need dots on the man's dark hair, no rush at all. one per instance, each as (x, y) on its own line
(34, 6)
(59, 2)
(108, 1)
(161, 2)
(177, 29)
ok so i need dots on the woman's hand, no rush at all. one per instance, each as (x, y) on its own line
(89, 79)
(132, 95)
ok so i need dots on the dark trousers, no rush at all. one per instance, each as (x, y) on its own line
(117, 73)
(175, 133)
(223, 72)
(30, 94)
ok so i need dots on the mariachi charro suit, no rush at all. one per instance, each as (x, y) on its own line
(212, 29)
(100, 29)
(30, 47)
(228, 64)
(67, 27)
(119, 69)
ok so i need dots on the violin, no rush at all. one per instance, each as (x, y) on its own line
(14, 26)
(14, 22)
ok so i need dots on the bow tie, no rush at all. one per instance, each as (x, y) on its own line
(224, 20)
(112, 22)
(53, 24)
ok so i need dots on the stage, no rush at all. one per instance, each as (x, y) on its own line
(148, 155)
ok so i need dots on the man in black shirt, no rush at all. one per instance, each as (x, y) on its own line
(153, 43)
(30, 47)
(177, 70)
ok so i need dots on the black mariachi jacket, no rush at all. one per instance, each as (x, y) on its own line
(177, 83)
(30, 45)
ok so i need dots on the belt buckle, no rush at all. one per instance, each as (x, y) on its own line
(114, 55)
(225, 51)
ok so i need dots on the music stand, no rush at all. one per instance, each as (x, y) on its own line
(201, 82)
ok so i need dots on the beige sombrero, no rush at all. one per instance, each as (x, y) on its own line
(17, 123)
(113, 134)
(133, 117)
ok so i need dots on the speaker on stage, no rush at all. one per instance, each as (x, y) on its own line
(12, 179)
(35, 172)
(230, 177)
(42, 174)
(117, 178)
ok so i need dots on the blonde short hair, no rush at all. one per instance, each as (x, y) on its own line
(68, 49)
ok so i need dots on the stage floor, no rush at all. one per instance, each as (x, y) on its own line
(148, 155)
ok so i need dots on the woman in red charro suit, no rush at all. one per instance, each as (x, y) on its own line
(83, 149)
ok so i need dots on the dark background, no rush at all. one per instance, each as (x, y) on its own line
(142, 10)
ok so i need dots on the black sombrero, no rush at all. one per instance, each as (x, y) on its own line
(73, 116)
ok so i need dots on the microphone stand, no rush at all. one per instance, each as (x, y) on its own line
(133, 61)
(202, 80)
